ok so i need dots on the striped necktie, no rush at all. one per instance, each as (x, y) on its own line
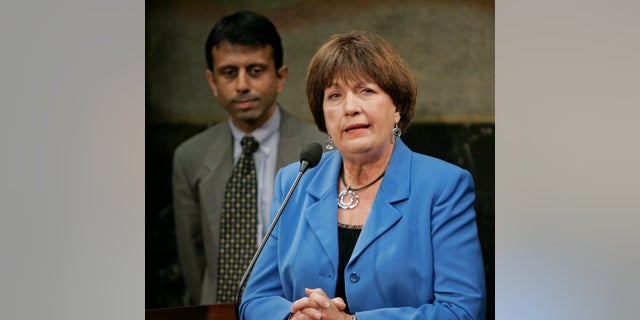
(238, 222)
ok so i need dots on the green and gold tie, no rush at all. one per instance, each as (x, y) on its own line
(238, 222)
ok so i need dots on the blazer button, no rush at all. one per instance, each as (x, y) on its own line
(354, 277)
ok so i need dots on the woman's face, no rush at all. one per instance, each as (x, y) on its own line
(360, 117)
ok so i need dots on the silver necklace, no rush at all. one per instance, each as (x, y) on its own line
(348, 198)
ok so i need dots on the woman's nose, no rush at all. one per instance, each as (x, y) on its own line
(352, 104)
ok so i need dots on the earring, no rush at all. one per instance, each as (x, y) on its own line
(396, 130)
(329, 144)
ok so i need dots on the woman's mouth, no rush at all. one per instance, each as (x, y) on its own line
(356, 127)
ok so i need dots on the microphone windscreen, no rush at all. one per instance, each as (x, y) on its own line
(311, 154)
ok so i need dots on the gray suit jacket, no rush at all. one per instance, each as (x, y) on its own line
(201, 167)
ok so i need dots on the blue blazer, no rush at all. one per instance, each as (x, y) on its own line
(418, 255)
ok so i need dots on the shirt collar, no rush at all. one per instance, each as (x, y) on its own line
(262, 134)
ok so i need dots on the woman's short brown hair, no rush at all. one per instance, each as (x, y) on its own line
(358, 56)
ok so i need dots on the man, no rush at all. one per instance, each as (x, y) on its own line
(246, 74)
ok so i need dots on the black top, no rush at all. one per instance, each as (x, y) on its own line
(347, 238)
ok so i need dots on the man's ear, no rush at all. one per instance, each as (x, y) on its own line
(282, 75)
(212, 83)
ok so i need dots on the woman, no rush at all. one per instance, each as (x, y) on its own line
(374, 231)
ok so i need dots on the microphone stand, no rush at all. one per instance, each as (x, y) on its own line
(304, 165)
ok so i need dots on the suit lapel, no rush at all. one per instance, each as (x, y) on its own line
(289, 143)
(321, 215)
(394, 188)
(220, 157)
(219, 163)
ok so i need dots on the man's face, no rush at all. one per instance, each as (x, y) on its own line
(246, 83)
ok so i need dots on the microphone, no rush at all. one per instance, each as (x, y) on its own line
(309, 158)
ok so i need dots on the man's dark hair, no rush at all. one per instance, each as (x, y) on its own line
(245, 28)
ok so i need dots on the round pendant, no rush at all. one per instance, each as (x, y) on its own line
(348, 199)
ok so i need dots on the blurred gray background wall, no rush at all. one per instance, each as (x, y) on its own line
(449, 45)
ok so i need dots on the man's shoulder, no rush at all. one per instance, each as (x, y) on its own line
(292, 124)
(199, 144)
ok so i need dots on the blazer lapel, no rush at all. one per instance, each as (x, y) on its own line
(394, 188)
(321, 215)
